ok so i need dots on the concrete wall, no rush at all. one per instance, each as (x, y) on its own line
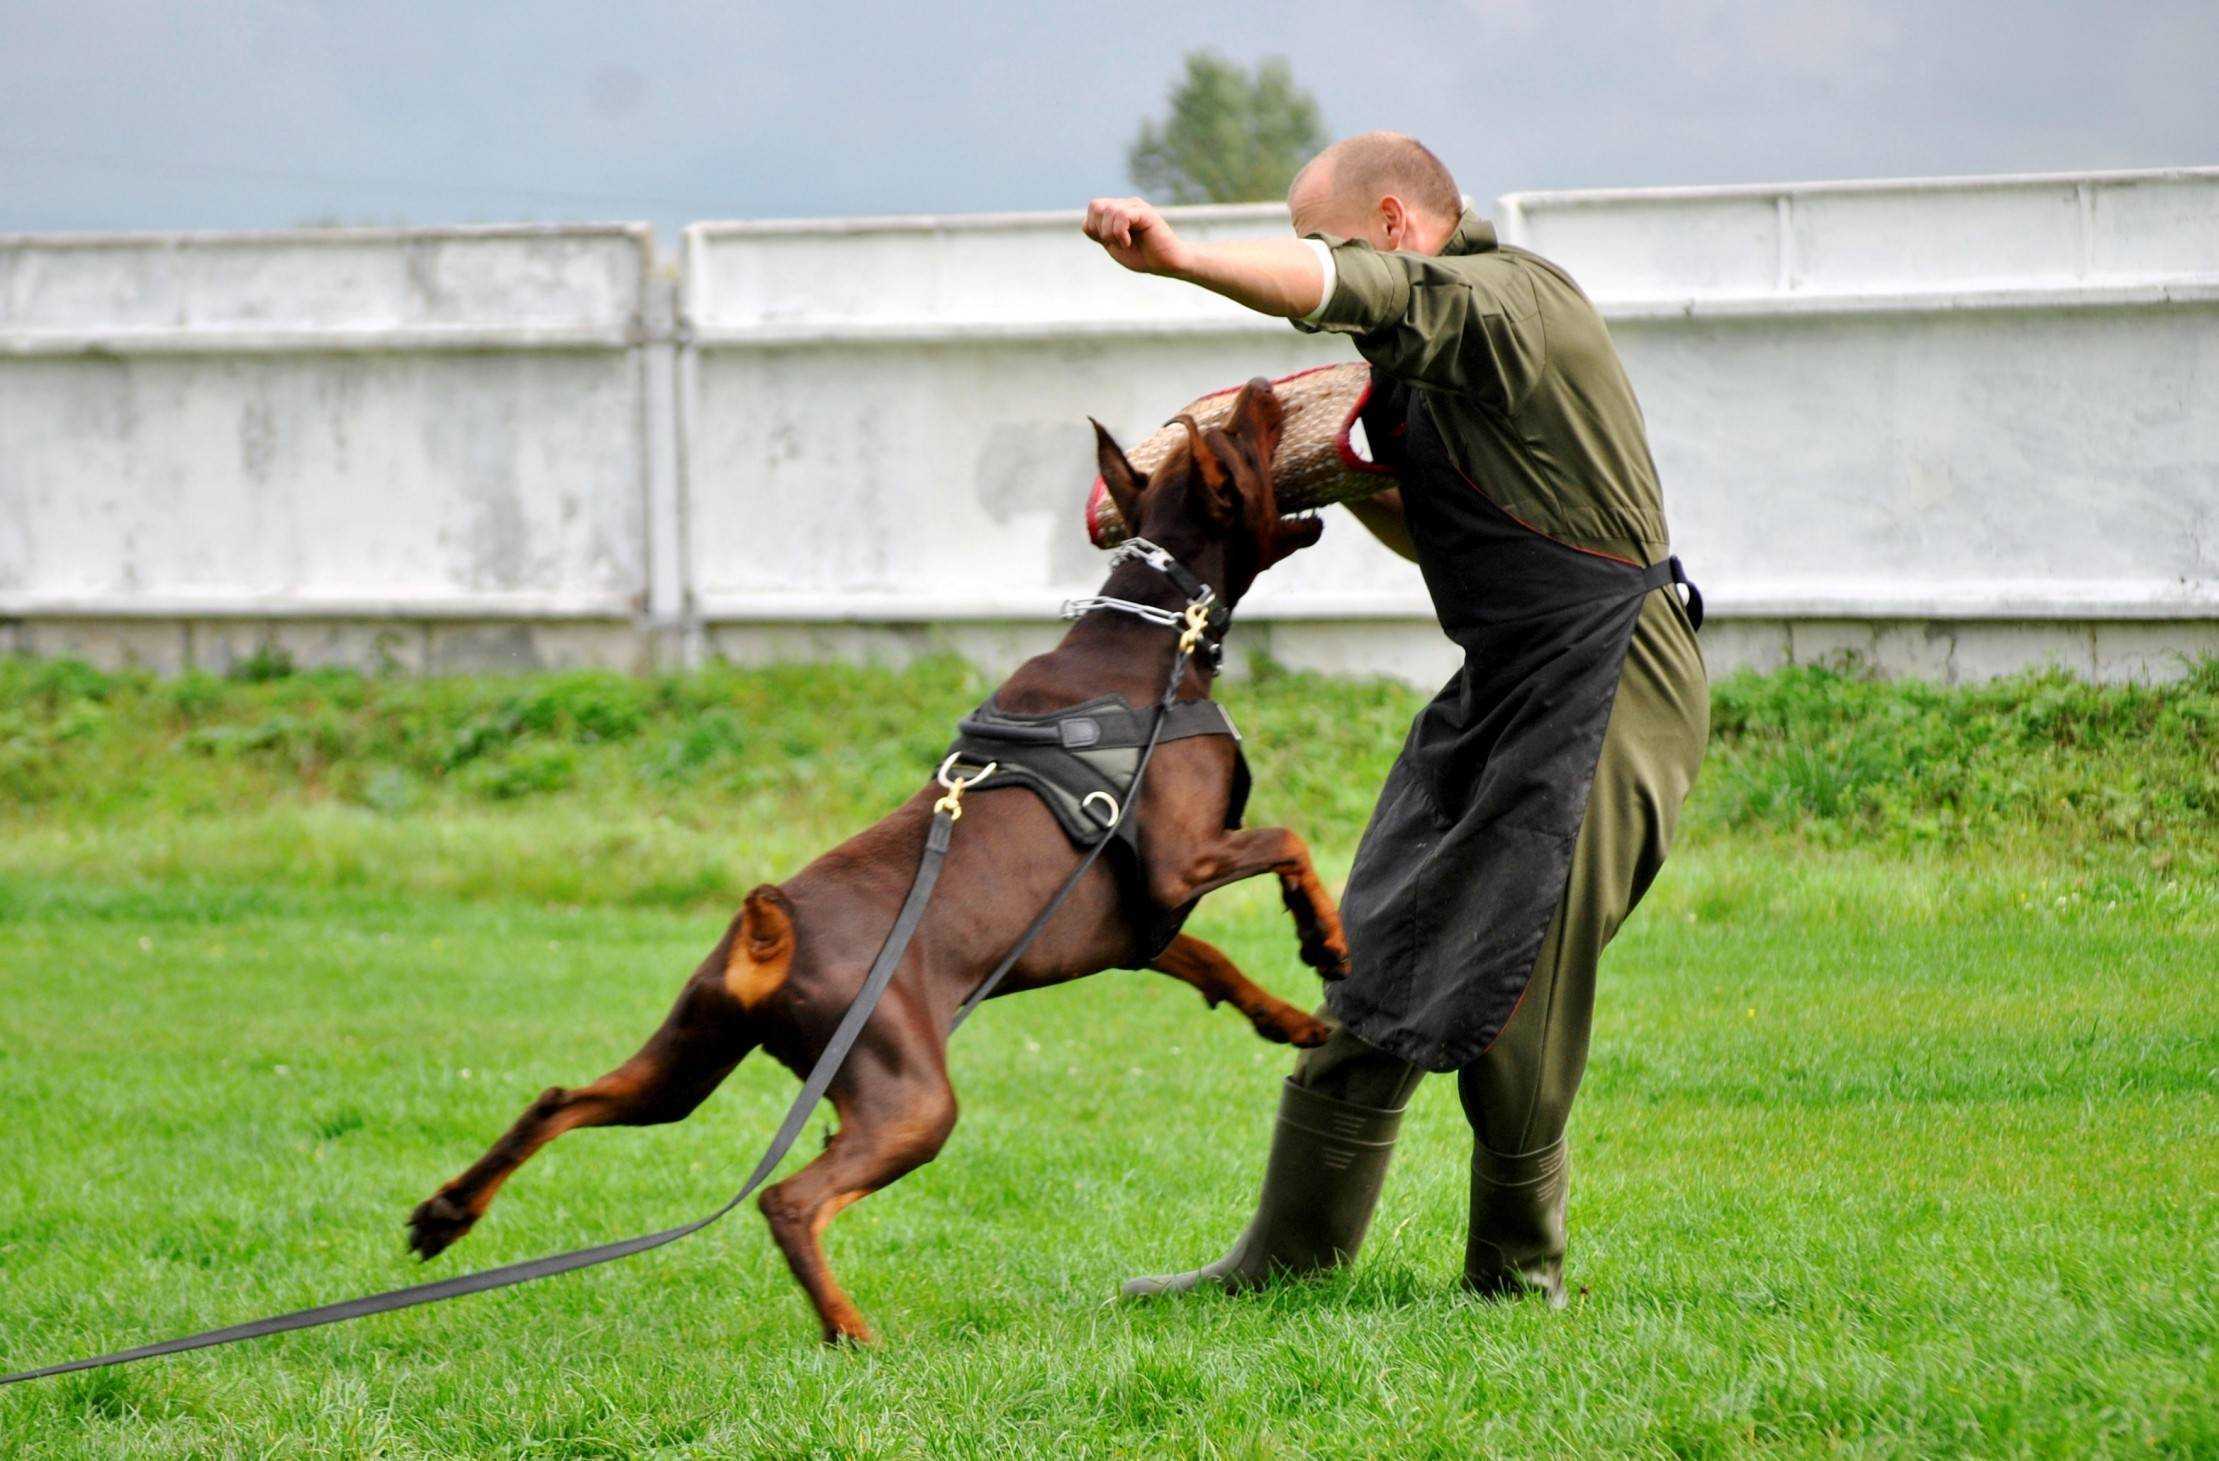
(886, 441)
(1956, 426)
(423, 446)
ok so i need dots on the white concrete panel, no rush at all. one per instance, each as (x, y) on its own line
(161, 647)
(1737, 644)
(2062, 459)
(578, 276)
(1920, 239)
(320, 478)
(358, 422)
(1934, 243)
(947, 481)
(1670, 248)
(1011, 270)
(2162, 227)
(2153, 651)
(221, 645)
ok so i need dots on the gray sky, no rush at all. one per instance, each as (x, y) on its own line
(262, 113)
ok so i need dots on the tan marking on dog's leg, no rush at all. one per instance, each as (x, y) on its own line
(1207, 968)
(900, 1129)
(686, 1058)
(836, 1205)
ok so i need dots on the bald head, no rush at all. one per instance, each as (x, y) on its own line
(1381, 186)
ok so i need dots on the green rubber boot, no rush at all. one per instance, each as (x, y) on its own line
(1516, 1243)
(1328, 1162)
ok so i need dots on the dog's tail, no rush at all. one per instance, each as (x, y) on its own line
(759, 949)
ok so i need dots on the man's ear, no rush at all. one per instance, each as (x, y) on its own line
(1394, 221)
(1125, 485)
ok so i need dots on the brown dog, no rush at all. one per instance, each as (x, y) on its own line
(793, 958)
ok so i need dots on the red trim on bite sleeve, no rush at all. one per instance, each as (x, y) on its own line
(1347, 451)
(1096, 497)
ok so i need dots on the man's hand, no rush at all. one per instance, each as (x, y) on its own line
(1131, 231)
(1273, 276)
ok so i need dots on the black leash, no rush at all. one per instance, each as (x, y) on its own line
(937, 837)
(789, 1130)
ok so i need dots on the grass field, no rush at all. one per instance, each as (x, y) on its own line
(1898, 1135)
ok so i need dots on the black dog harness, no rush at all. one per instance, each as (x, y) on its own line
(1081, 760)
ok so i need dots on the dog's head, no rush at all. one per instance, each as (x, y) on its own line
(1210, 503)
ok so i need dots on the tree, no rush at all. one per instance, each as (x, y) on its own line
(1231, 137)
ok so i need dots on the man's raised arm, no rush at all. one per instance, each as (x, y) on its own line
(1287, 277)
(1274, 276)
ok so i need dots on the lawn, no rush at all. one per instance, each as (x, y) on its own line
(1897, 1136)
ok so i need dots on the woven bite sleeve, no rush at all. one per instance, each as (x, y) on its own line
(1318, 461)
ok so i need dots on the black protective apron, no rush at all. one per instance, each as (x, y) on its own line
(1468, 853)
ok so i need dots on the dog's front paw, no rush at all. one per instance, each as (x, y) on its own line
(1329, 958)
(842, 1337)
(1287, 1025)
(1323, 947)
(436, 1223)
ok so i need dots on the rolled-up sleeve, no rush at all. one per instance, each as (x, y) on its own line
(1327, 272)
(1468, 323)
(1363, 290)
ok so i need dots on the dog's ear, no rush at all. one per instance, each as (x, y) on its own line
(1250, 438)
(1220, 495)
(1125, 485)
(1257, 417)
(1248, 442)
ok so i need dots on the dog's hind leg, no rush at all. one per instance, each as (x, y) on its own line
(896, 1110)
(1191, 961)
(675, 1071)
(699, 1043)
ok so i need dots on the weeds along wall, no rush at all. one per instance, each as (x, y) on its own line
(1954, 427)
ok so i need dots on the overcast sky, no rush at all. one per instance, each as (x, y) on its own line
(262, 113)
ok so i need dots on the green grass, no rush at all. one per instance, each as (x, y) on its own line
(1897, 1136)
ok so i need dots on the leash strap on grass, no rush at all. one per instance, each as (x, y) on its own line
(797, 1116)
(789, 1130)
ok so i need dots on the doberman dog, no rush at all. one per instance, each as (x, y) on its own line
(792, 959)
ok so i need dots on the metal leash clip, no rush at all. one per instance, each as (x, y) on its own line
(952, 803)
(1197, 620)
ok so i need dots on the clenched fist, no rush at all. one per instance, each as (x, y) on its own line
(1131, 231)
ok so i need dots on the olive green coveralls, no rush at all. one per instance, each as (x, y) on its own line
(1532, 407)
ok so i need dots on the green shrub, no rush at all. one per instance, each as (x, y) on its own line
(268, 662)
(526, 771)
(1810, 753)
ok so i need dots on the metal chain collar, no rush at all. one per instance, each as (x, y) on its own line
(1201, 598)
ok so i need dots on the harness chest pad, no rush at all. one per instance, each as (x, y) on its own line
(1080, 760)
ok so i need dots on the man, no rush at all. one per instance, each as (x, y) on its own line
(1535, 797)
